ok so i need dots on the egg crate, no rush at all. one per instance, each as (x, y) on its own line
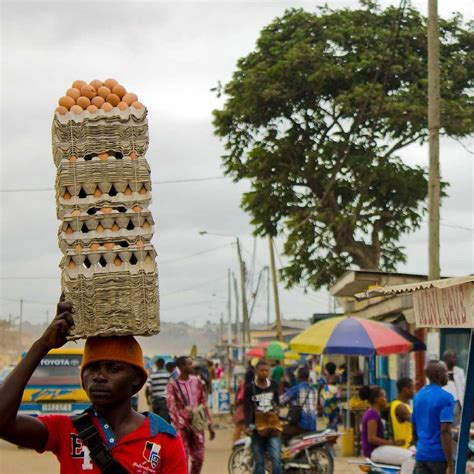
(89, 263)
(101, 117)
(124, 227)
(109, 155)
(75, 173)
(82, 190)
(112, 243)
(111, 210)
(92, 202)
(113, 304)
(81, 140)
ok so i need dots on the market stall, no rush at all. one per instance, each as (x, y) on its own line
(446, 303)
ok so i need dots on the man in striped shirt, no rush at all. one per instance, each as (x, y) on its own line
(156, 390)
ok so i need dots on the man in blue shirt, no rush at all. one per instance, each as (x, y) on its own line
(305, 396)
(433, 410)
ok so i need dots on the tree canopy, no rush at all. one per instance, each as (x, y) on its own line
(315, 118)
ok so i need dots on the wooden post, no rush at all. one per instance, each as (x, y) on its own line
(279, 333)
(245, 311)
(433, 127)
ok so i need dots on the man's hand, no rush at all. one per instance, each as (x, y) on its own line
(398, 442)
(450, 469)
(56, 333)
(212, 433)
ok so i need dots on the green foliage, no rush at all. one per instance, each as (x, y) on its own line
(315, 116)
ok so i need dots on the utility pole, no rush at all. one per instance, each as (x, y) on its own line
(245, 311)
(237, 322)
(433, 127)
(268, 297)
(21, 321)
(279, 333)
(229, 310)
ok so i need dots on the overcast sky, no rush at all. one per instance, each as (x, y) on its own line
(171, 55)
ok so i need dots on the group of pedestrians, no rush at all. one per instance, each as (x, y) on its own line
(179, 396)
(425, 427)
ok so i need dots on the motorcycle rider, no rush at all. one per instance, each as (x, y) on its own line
(261, 419)
(304, 397)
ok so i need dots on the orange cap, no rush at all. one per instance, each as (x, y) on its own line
(114, 348)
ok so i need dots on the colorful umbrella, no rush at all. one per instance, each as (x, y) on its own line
(258, 352)
(275, 351)
(347, 335)
(265, 344)
(290, 355)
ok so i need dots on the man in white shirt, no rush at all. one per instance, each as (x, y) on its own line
(456, 385)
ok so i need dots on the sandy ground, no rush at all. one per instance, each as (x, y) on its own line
(14, 460)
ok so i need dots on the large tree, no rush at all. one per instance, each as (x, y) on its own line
(315, 118)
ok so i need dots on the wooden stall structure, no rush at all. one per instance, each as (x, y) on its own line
(446, 303)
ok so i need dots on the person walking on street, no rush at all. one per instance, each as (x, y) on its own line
(433, 410)
(156, 390)
(261, 402)
(189, 412)
(401, 411)
(303, 398)
(277, 372)
(331, 396)
(456, 385)
(110, 434)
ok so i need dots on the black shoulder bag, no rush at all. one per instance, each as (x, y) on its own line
(99, 453)
(295, 411)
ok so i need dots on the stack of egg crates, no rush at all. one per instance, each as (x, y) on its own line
(103, 196)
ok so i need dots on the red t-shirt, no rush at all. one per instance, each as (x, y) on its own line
(153, 448)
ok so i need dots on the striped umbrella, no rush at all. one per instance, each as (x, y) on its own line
(347, 335)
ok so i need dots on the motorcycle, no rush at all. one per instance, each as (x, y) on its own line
(310, 453)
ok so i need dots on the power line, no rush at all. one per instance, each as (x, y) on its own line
(171, 181)
(194, 254)
(193, 287)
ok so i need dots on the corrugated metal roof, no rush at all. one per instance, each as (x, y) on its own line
(412, 287)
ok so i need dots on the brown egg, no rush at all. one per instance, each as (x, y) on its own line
(88, 91)
(129, 98)
(78, 84)
(76, 212)
(67, 102)
(71, 264)
(113, 99)
(84, 102)
(73, 158)
(98, 101)
(95, 246)
(146, 225)
(134, 155)
(103, 156)
(117, 261)
(97, 192)
(110, 83)
(63, 111)
(106, 210)
(92, 109)
(69, 230)
(128, 191)
(103, 91)
(109, 245)
(115, 227)
(139, 243)
(137, 208)
(107, 106)
(76, 109)
(121, 106)
(143, 190)
(137, 105)
(119, 90)
(67, 195)
(78, 247)
(100, 229)
(96, 84)
(74, 93)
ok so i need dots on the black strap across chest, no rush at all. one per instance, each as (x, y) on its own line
(99, 452)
